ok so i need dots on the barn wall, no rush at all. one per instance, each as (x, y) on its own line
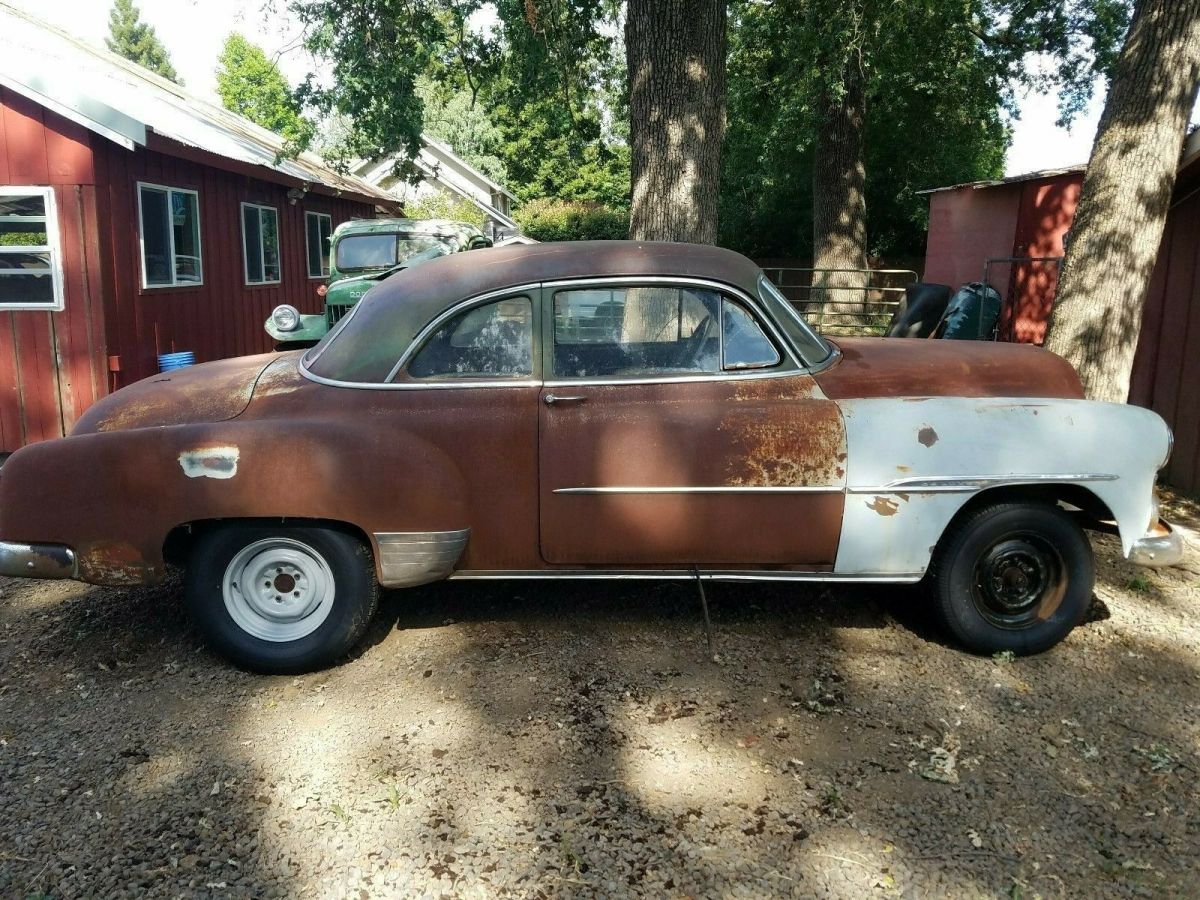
(1166, 372)
(967, 226)
(224, 316)
(1046, 211)
(51, 363)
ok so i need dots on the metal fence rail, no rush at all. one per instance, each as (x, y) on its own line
(810, 292)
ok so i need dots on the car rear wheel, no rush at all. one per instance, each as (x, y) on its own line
(1012, 577)
(281, 600)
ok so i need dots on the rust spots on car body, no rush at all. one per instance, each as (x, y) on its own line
(116, 563)
(884, 506)
(792, 440)
(927, 436)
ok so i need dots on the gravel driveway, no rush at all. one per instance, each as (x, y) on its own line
(544, 740)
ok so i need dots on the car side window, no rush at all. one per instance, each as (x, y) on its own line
(494, 340)
(635, 331)
(744, 345)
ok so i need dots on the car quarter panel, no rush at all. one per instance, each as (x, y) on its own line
(915, 462)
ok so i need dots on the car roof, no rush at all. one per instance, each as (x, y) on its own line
(431, 287)
(393, 312)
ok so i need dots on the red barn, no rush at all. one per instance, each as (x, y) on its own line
(1027, 219)
(137, 219)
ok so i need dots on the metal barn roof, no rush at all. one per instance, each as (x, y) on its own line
(126, 104)
(1012, 179)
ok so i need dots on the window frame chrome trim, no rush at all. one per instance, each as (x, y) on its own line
(792, 356)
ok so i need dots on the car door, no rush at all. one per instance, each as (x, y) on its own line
(677, 429)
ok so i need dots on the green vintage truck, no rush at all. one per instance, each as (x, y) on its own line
(362, 253)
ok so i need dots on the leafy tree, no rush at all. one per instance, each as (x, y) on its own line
(251, 85)
(934, 119)
(1126, 195)
(843, 60)
(572, 220)
(130, 37)
(455, 117)
(440, 205)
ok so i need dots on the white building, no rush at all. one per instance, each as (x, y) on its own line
(444, 171)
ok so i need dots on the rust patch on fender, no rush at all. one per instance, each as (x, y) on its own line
(884, 506)
(116, 563)
(793, 444)
(927, 436)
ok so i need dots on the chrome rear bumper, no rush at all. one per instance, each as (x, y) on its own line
(37, 560)
(1158, 548)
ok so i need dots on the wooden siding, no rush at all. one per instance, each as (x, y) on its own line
(1166, 372)
(51, 363)
(54, 365)
(224, 316)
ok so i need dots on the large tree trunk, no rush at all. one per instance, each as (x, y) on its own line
(840, 201)
(675, 50)
(1122, 210)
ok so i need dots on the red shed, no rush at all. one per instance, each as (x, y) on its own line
(1030, 216)
(1010, 231)
(135, 220)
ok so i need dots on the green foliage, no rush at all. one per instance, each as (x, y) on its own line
(439, 205)
(251, 85)
(130, 37)
(939, 75)
(566, 220)
(453, 116)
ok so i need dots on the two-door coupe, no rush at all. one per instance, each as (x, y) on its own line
(591, 410)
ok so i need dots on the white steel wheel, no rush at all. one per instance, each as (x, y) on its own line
(278, 589)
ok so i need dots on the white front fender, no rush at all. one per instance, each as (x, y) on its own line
(915, 462)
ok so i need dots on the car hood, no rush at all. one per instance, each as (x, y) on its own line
(908, 367)
(209, 392)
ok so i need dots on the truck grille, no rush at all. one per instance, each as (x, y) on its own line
(333, 314)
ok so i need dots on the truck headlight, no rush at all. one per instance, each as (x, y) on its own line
(286, 318)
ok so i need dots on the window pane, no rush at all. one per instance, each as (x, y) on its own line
(185, 216)
(22, 205)
(367, 251)
(156, 239)
(487, 341)
(23, 234)
(270, 244)
(31, 261)
(326, 236)
(253, 243)
(746, 347)
(26, 288)
(635, 331)
(312, 232)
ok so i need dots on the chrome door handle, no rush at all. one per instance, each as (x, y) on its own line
(551, 399)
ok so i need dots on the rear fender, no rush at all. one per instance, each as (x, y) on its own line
(114, 497)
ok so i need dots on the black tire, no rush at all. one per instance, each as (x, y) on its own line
(341, 560)
(1012, 577)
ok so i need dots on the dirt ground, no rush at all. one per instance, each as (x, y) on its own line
(539, 740)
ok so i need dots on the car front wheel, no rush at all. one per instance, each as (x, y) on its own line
(1012, 577)
(276, 599)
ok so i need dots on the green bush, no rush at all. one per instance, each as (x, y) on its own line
(570, 220)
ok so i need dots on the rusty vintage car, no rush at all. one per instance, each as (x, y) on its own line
(591, 410)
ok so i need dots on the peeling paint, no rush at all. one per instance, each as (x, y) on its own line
(927, 436)
(210, 462)
(884, 506)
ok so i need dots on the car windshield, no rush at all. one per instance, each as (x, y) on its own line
(357, 252)
(813, 348)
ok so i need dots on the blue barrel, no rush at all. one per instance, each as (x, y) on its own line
(169, 361)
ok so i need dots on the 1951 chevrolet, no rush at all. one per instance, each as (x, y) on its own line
(591, 410)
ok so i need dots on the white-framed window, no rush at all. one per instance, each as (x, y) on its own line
(260, 243)
(318, 228)
(169, 232)
(30, 256)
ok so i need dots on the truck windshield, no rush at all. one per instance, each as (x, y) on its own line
(357, 252)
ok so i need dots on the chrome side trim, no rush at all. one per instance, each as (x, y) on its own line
(719, 489)
(965, 484)
(409, 558)
(679, 575)
(37, 561)
(934, 484)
